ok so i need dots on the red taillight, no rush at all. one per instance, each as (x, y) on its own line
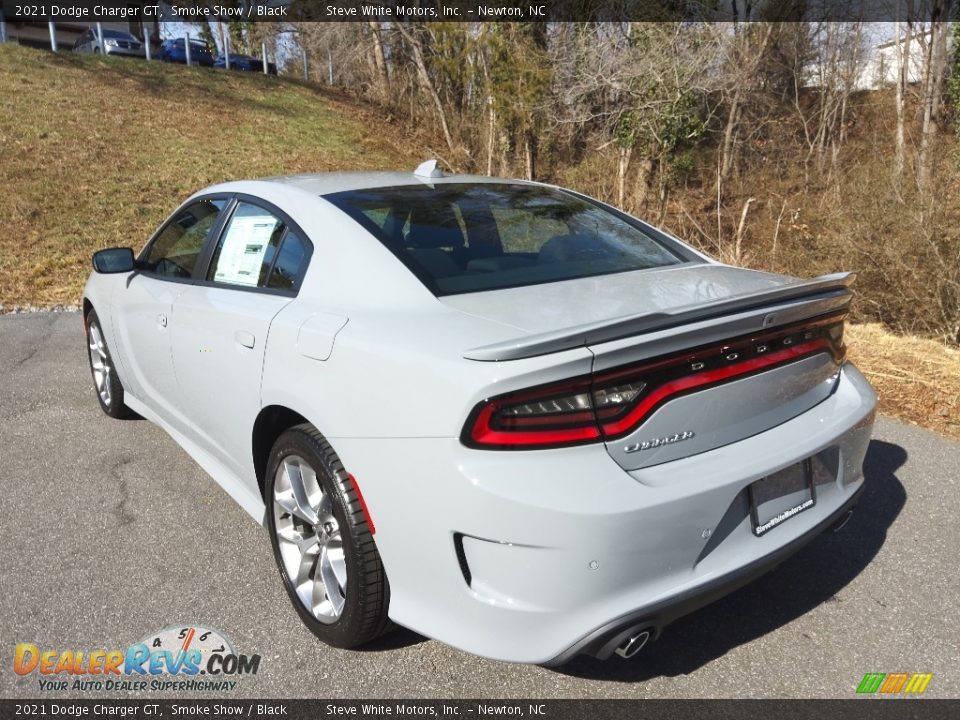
(615, 402)
(556, 414)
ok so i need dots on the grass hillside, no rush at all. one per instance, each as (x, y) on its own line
(95, 152)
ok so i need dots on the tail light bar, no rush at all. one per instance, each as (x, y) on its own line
(613, 403)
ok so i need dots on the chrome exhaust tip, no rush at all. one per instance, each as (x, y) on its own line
(633, 644)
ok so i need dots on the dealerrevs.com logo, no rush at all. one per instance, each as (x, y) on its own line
(178, 657)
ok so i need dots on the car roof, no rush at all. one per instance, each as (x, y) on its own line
(333, 182)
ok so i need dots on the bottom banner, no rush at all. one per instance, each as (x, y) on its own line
(535, 709)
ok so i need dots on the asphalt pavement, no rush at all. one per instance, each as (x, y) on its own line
(109, 531)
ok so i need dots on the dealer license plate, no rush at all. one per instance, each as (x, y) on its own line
(780, 497)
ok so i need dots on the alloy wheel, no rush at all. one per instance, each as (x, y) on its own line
(100, 363)
(309, 540)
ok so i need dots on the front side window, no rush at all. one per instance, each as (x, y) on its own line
(175, 250)
(257, 250)
(472, 237)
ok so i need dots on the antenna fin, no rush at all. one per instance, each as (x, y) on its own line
(428, 169)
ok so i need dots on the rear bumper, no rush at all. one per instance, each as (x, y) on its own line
(603, 640)
(535, 556)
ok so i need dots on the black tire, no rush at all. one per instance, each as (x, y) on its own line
(367, 596)
(107, 386)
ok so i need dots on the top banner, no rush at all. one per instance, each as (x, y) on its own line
(541, 11)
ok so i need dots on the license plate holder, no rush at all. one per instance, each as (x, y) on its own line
(780, 497)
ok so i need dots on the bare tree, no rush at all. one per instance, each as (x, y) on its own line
(904, 34)
(411, 34)
(934, 73)
(647, 87)
(824, 79)
(379, 58)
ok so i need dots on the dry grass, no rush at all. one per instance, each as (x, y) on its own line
(918, 380)
(95, 152)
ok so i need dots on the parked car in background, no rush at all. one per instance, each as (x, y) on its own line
(174, 50)
(569, 427)
(243, 63)
(115, 42)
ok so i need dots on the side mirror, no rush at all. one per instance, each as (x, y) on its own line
(114, 260)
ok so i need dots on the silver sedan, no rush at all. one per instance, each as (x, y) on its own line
(569, 427)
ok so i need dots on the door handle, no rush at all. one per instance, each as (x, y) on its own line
(162, 320)
(244, 338)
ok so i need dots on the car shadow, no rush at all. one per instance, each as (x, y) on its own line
(811, 577)
(399, 637)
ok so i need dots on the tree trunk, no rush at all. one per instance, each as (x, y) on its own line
(644, 181)
(491, 134)
(729, 132)
(623, 167)
(530, 155)
(491, 113)
(379, 59)
(941, 31)
(505, 146)
(932, 78)
(903, 71)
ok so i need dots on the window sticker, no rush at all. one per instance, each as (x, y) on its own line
(243, 249)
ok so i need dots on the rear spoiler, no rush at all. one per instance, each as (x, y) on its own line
(834, 289)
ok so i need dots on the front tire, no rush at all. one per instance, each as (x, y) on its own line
(322, 543)
(106, 382)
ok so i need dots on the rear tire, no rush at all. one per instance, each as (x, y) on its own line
(322, 543)
(106, 382)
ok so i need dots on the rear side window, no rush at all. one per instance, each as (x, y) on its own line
(472, 237)
(289, 263)
(257, 249)
(174, 252)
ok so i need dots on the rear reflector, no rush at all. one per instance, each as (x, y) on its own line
(363, 504)
(614, 403)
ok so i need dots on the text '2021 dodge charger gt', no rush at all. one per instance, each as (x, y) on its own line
(499, 413)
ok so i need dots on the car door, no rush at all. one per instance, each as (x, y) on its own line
(220, 327)
(143, 307)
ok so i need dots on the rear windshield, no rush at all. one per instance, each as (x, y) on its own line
(460, 238)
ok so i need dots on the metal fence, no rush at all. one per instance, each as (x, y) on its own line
(148, 47)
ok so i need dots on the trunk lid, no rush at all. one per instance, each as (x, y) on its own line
(556, 306)
(719, 354)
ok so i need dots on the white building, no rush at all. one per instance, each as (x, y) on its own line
(881, 67)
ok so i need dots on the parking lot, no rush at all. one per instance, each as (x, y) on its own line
(110, 532)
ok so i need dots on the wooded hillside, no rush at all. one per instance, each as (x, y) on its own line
(767, 144)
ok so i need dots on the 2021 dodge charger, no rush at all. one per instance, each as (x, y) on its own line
(499, 413)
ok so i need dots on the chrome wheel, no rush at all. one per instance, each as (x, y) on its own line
(308, 535)
(100, 363)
